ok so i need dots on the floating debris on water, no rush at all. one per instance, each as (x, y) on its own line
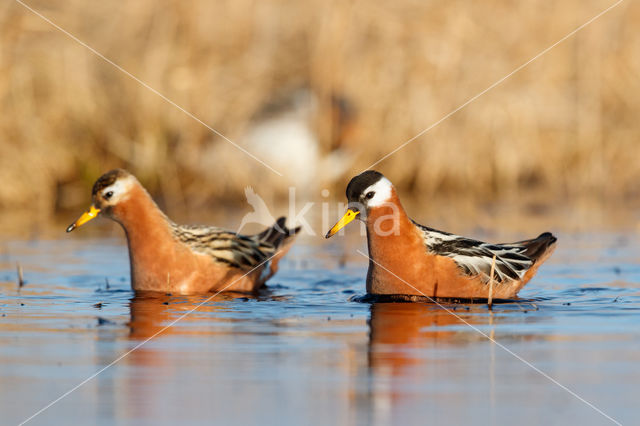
(21, 282)
(493, 268)
(104, 321)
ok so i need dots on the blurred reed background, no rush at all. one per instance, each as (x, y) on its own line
(319, 90)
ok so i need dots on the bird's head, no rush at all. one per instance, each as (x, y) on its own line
(365, 192)
(110, 190)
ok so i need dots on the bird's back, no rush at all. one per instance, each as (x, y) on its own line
(513, 261)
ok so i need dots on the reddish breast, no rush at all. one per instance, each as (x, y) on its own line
(396, 245)
(404, 266)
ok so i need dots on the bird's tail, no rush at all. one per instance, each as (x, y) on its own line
(281, 237)
(279, 234)
(538, 248)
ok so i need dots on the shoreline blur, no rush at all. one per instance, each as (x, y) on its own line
(496, 221)
(319, 91)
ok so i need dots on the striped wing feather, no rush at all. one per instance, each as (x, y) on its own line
(240, 251)
(475, 257)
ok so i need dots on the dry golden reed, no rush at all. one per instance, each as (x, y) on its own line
(566, 125)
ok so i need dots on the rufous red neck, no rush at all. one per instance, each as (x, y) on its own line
(139, 214)
(387, 219)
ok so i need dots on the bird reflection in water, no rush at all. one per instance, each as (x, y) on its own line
(405, 351)
(154, 313)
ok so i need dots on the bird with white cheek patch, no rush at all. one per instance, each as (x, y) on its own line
(407, 258)
(184, 259)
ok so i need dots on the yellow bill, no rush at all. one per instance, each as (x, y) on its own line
(348, 217)
(86, 217)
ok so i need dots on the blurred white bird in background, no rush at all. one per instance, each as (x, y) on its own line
(306, 138)
(284, 134)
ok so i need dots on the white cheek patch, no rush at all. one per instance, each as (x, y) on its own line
(120, 190)
(382, 190)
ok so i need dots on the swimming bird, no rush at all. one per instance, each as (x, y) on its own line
(184, 259)
(411, 259)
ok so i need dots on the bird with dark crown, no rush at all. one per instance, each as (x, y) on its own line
(407, 258)
(184, 259)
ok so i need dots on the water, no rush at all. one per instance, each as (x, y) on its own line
(305, 352)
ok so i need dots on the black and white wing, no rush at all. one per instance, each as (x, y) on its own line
(240, 251)
(475, 257)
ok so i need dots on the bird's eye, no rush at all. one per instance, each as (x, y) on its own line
(108, 195)
(370, 195)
